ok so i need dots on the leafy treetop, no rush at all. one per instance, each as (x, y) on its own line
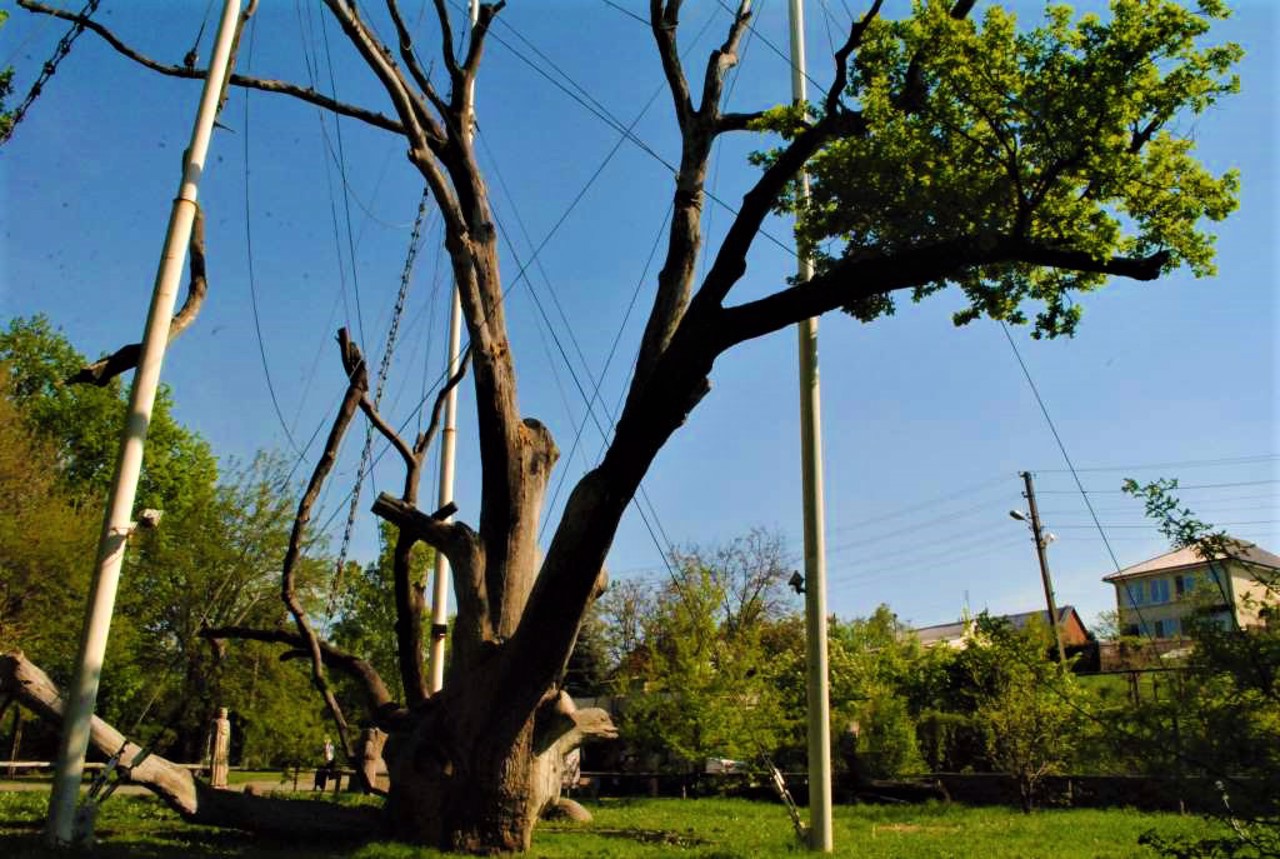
(1060, 138)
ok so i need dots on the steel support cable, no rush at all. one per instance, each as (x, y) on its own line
(312, 65)
(635, 295)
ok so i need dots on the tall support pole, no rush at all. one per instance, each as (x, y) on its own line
(448, 447)
(815, 554)
(1052, 603)
(118, 520)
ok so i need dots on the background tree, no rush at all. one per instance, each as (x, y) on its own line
(83, 422)
(1223, 708)
(214, 560)
(701, 680)
(44, 538)
(874, 663)
(1015, 165)
(1028, 706)
(6, 88)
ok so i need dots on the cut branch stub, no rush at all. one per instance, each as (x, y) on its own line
(124, 359)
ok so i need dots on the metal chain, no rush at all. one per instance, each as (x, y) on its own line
(384, 368)
(51, 65)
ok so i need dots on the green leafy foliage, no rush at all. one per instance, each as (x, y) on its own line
(83, 422)
(875, 665)
(1029, 707)
(702, 676)
(214, 561)
(45, 541)
(366, 608)
(1066, 136)
(1224, 706)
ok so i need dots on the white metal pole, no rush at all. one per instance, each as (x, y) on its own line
(118, 520)
(815, 562)
(448, 447)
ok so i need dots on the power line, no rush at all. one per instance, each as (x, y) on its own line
(248, 238)
(627, 12)
(1186, 463)
(922, 505)
(1087, 492)
(593, 106)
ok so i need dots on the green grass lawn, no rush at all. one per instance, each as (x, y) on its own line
(706, 828)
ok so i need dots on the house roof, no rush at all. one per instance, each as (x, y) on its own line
(954, 631)
(1189, 556)
(940, 632)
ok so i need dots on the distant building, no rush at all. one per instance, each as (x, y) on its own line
(1155, 598)
(957, 635)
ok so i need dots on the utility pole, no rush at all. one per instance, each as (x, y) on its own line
(1030, 495)
(449, 441)
(815, 561)
(118, 521)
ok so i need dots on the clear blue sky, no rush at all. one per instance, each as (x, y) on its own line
(926, 426)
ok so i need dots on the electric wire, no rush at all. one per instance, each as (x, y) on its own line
(1186, 463)
(1133, 604)
(783, 55)
(627, 12)
(593, 106)
(248, 238)
(1087, 492)
(346, 197)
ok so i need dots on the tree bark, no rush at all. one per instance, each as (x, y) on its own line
(196, 801)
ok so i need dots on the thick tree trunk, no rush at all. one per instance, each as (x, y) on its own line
(458, 784)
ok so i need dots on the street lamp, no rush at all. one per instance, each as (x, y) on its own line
(1042, 541)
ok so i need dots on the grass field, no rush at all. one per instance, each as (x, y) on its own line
(706, 829)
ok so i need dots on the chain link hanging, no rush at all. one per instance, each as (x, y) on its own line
(384, 368)
(51, 65)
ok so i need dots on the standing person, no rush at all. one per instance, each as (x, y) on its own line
(322, 773)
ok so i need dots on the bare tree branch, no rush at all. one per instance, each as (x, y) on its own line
(377, 696)
(427, 436)
(410, 57)
(475, 44)
(664, 19)
(102, 371)
(722, 60)
(841, 79)
(698, 132)
(357, 385)
(306, 94)
(446, 44)
(454, 539)
(419, 128)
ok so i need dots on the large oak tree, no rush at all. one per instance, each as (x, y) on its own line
(1019, 165)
